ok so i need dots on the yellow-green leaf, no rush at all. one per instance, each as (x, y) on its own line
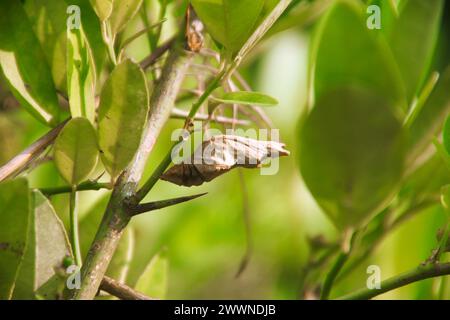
(102, 8)
(247, 98)
(123, 11)
(153, 281)
(122, 115)
(80, 75)
(76, 151)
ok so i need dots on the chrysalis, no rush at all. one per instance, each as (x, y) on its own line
(220, 154)
(194, 28)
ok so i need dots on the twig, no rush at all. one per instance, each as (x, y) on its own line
(121, 290)
(420, 273)
(117, 214)
(156, 54)
(14, 166)
(156, 205)
(84, 186)
(181, 114)
(73, 217)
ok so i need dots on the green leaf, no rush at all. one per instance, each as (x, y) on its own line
(24, 64)
(46, 249)
(230, 22)
(102, 8)
(123, 11)
(247, 98)
(80, 75)
(346, 53)
(14, 220)
(122, 115)
(429, 120)
(417, 20)
(351, 154)
(153, 281)
(49, 19)
(76, 151)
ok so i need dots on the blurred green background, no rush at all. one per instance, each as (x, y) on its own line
(206, 239)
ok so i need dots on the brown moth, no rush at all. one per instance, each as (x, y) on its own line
(220, 154)
(194, 28)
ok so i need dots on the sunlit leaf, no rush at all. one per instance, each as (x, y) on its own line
(123, 11)
(76, 151)
(122, 115)
(247, 98)
(229, 22)
(80, 75)
(345, 52)
(14, 220)
(153, 281)
(351, 154)
(47, 247)
(24, 64)
(102, 8)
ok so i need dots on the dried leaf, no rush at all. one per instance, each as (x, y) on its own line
(220, 154)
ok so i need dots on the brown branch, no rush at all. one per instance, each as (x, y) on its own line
(20, 162)
(155, 55)
(181, 114)
(121, 290)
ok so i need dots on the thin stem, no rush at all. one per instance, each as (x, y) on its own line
(74, 238)
(84, 186)
(417, 274)
(121, 290)
(156, 205)
(337, 266)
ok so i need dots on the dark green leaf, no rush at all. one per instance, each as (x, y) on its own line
(122, 115)
(417, 20)
(345, 52)
(351, 154)
(14, 220)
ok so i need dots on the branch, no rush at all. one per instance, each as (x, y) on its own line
(121, 291)
(117, 214)
(17, 164)
(84, 186)
(156, 54)
(420, 273)
(181, 114)
(156, 205)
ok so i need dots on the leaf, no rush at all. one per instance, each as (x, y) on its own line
(417, 20)
(122, 115)
(351, 154)
(247, 98)
(14, 220)
(80, 75)
(102, 8)
(46, 249)
(123, 12)
(429, 120)
(24, 64)
(230, 22)
(48, 19)
(76, 151)
(346, 53)
(153, 281)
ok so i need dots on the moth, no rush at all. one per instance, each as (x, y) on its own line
(221, 154)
